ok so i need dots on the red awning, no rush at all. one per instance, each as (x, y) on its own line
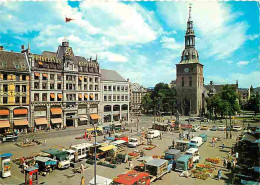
(94, 116)
(4, 112)
(20, 111)
(56, 110)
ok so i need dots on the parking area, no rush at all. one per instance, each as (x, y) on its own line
(67, 176)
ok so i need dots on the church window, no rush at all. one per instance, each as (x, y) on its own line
(182, 81)
(190, 81)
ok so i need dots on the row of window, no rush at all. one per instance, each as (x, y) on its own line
(18, 100)
(69, 86)
(17, 77)
(69, 97)
(116, 98)
(18, 88)
(68, 78)
(116, 88)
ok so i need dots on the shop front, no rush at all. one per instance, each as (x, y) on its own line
(21, 125)
(4, 126)
(94, 118)
(41, 123)
(56, 120)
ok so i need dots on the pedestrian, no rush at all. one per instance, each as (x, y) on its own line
(104, 137)
(223, 145)
(44, 142)
(173, 143)
(109, 134)
(131, 130)
(82, 170)
(75, 157)
(130, 165)
(126, 158)
(224, 162)
(82, 182)
(160, 135)
(229, 165)
(219, 174)
(236, 155)
(234, 163)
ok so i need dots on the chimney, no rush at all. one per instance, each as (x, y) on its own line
(1, 48)
(211, 82)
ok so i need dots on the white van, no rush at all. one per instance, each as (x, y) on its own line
(82, 149)
(197, 141)
(152, 134)
(194, 152)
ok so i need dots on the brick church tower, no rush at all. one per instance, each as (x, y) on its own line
(189, 76)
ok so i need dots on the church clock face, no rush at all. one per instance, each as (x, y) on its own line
(186, 70)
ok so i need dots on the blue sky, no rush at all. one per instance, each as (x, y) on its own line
(142, 40)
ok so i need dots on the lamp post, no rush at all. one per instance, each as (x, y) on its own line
(95, 143)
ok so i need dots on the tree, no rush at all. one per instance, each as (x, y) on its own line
(146, 102)
(254, 103)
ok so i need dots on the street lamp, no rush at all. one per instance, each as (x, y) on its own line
(95, 125)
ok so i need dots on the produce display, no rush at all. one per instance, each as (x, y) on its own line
(202, 171)
(106, 164)
(213, 160)
(149, 147)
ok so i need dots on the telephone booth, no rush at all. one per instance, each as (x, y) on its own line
(31, 176)
(5, 164)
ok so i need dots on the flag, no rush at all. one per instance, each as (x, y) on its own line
(67, 19)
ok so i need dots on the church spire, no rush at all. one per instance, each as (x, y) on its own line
(190, 36)
(190, 54)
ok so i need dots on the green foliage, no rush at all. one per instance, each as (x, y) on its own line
(111, 153)
(226, 102)
(162, 99)
(254, 103)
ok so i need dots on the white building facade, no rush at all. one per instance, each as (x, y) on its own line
(115, 95)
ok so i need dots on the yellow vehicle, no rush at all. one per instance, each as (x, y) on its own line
(204, 127)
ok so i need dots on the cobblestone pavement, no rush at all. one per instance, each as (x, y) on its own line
(67, 137)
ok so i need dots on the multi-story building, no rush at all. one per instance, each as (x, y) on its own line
(136, 94)
(14, 90)
(245, 95)
(115, 97)
(64, 88)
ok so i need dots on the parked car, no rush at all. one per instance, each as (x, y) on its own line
(221, 127)
(133, 142)
(194, 152)
(214, 128)
(237, 128)
(153, 134)
(204, 127)
(197, 141)
(190, 119)
(195, 127)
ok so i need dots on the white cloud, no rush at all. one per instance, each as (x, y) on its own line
(113, 57)
(170, 43)
(253, 37)
(242, 63)
(244, 80)
(213, 24)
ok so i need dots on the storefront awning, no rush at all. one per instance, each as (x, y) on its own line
(45, 75)
(60, 96)
(4, 112)
(21, 122)
(36, 74)
(56, 120)
(41, 121)
(4, 124)
(94, 116)
(83, 118)
(52, 95)
(40, 63)
(80, 96)
(55, 111)
(20, 111)
(86, 96)
(80, 78)
(106, 148)
(92, 96)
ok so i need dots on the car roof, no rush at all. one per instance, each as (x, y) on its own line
(192, 150)
(156, 162)
(173, 151)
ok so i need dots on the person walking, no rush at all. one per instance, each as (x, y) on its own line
(224, 162)
(219, 174)
(126, 158)
(130, 165)
(82, 170)
(82, 182)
